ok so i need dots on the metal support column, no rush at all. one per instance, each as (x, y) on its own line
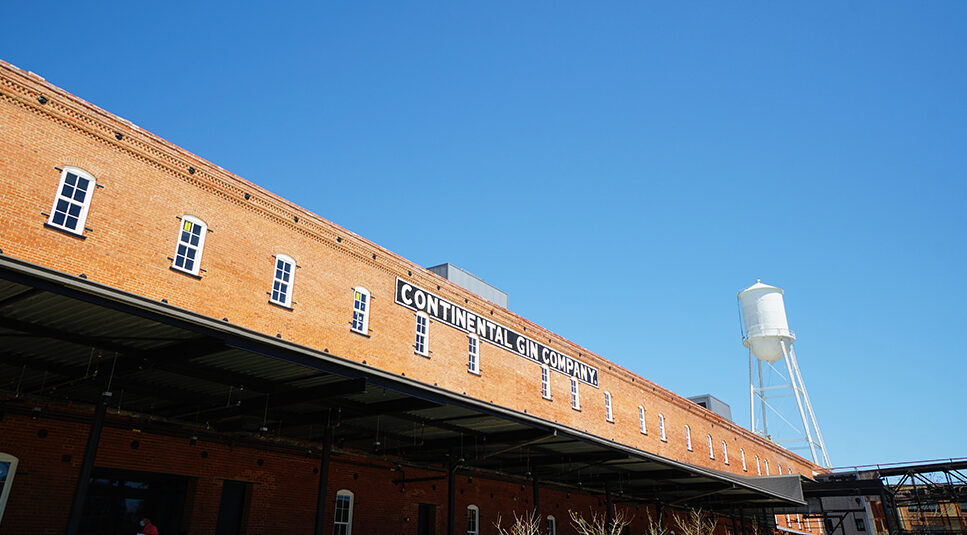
(451, 493)
(537, 498)
(608, 514)
(87, 466)
(322, 497)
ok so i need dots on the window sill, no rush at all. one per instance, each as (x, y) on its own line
(417, 353)
(185, 273)
(547, 398)
(471, 372)
(573, 408)
(280, 305)
(609, 421)
(360, 333)
(63, 230)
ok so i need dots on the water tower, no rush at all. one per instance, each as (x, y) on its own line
(766, 333)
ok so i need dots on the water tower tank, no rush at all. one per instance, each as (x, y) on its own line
(764, 317)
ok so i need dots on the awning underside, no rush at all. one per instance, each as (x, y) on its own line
(65, 338)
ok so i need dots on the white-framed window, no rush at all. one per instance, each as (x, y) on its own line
(191, 243)
(725, 452)
(608, 413)
(799, 522)
(282, 280)
(742, 456)
(767, 466)
(711, 450)
(789, 471)
(72, 200)
(343, 516)
(688, 438)
(575, 395)
(8, 469)
(641, 420)
(473, 354)
(788, 523)
(473, 520)
(661, 427)
(422, 334)
(809, 526)
(778, 468)
(551, 525)
(545, 382)
(361, 310)
(758, 467)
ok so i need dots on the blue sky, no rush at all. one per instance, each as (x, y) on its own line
(620, 169)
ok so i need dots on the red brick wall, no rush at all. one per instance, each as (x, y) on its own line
(133, 222)
(284, 489)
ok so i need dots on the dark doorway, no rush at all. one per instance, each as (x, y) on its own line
(231, 510)
(426, 519)
(118, 499)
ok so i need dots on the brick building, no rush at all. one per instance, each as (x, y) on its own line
(180, 343)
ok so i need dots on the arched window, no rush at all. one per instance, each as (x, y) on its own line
(473, 354)
(778, 468)
(545, 382)
(758, 467)
(72, 201)
(283, 280)
(608, 414)
(343, 517)
(641, 420)
(711, 451)
(575, 395)
(742, 455)
(767, 465)
(422, 334)
(361, 310)
(688, 438)
(725, 452)
(661, 427)
(191, 243)
(473, 520)
(551, 525)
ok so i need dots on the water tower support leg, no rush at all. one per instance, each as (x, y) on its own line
(794, 379)
(762, 402)
(809, 407)
(751, 395)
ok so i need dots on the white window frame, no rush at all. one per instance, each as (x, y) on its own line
(551, 525)
(69, 201)
(725, 452)
(199, 248)
(711, 448)
(688, 438)
(8, 483)
(362, 303)
(349, 521)
(767, 466)
(421, 341)
(473, 353)
(758, 466)
(661, 427)
(642, 426)
(473, 529)
(545, 381)
(575, 394)
(608, 411)
(278, 282)
(742, 456)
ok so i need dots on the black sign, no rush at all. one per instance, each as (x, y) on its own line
(420, 300)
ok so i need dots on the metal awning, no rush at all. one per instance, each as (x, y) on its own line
(64, 338)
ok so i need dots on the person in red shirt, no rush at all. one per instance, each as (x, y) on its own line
(147, 528)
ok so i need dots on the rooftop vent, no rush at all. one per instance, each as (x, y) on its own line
(471, 282)
(713, 404)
